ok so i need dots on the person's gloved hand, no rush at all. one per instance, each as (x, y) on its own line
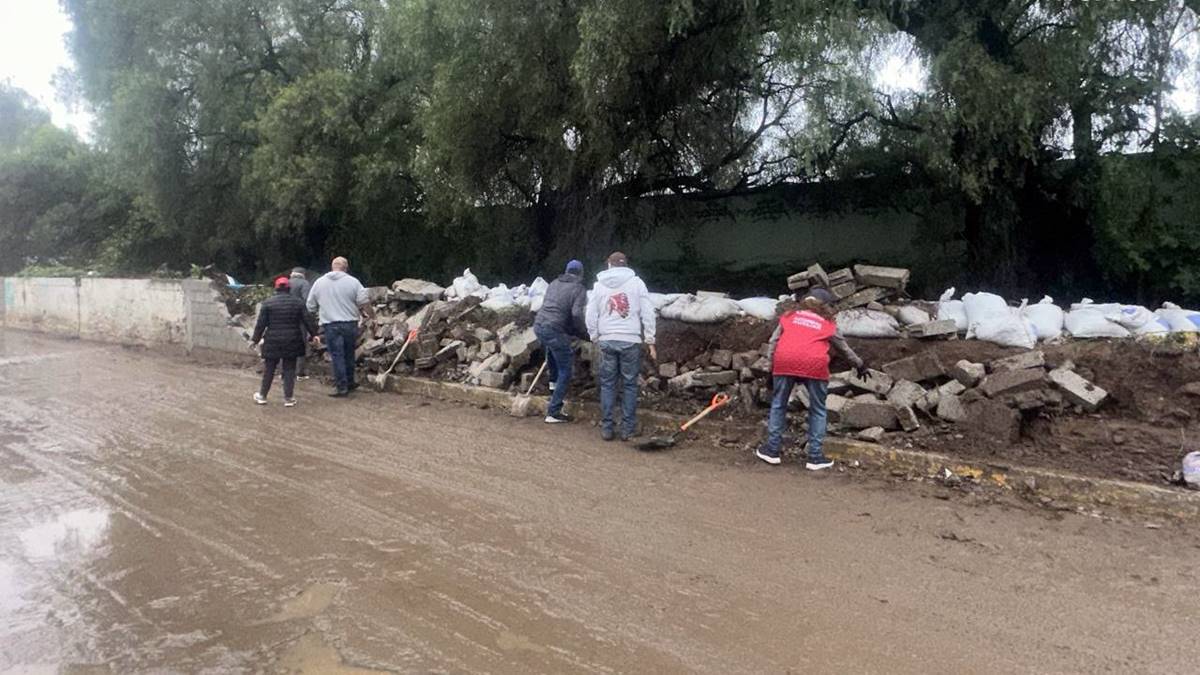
(862, 371)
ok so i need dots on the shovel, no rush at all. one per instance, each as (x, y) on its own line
(380, 380)
(662, 443)
(520, 404)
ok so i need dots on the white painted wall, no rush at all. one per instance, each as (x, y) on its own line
(128, 311)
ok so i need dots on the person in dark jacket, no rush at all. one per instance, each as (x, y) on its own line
(283, 324)
(562, 316)
(298, 285)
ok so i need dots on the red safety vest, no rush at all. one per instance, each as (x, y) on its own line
(803, 347)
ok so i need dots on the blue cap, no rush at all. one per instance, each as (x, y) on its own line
(821, 295)
(574, 266)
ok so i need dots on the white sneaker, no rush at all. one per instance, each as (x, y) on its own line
(769, 459)
(819, 466)
(289, 403)
(260, 399)
(551, 385)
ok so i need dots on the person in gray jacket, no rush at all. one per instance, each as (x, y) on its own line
(298, 285)
(340, 300)
(563, 315)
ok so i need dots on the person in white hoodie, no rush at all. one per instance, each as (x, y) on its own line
(620, 317)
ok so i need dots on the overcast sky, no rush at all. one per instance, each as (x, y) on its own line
(33, 49)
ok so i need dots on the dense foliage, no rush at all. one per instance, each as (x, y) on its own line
(420, 134)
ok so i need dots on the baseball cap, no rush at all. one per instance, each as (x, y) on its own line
(618, 259)
(820, 295)
(282, 282)
(574, 266)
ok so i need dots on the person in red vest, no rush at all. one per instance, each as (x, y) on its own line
(799, 354)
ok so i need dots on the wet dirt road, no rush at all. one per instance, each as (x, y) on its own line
(153, 520)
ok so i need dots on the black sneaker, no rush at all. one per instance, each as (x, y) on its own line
(818, 464)
(340, 393)
(560, 418)
(768, 458)
(353, 386)
(607, 434)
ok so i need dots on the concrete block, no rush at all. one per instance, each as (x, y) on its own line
(743, 360)
(951, 409)
(517, 344)
(1031, 359)
(929, 402)
(377, 294)
(885, 277)
(905, 394)
(1078, 390)
(834, 405)
(488, 348)
(871, 435)
(416, 290)
(493, 379)
(907, 418)
(951, 388)
(668, 370)
(816, 274)
(867, 397)
(844, 290)
(916, 368)
(746, 375)
(967, 373)
(932, 329)
(720, 378)
(841, 276)
(876, 381)
(1013, 381)
(995, 419)
(863, 297)
(762, 365)
(863, 415)
(494, 363)
(722, 358)
(799, 281)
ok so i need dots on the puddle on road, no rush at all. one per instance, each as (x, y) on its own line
(310, 655)
(314, 600)
(68, 534)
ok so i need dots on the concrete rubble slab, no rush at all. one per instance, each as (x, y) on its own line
(932, 329)
(1013, 381)
(1078, 390)
(863, 297)
(905, 394)
(866, 414)
(951, 409)
(840, 276)
(722, 358)
(1031, 359)
(517, 344)
(844, 290)
(877, 382)
(951, 388)
(968, 373)
(416, 290)
(719, 378)
(817, 275)
(871, 435)
(917, 368)
(493, 380)
(907, 418)
(995, 419)
(895, 278)
(668, 370)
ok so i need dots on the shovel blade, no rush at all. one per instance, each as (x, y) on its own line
(659, 443)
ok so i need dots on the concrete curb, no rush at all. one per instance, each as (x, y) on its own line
(1062, 488)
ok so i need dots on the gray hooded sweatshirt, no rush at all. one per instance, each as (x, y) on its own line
(338, 296)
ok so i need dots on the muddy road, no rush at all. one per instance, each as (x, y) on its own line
(152, 519)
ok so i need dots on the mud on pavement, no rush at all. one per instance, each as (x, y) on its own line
(152, 519)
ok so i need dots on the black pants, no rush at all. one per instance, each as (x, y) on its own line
(289, 376)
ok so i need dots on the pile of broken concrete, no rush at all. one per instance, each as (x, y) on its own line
(993, 398)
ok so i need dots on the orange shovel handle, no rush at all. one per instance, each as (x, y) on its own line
(717, 401)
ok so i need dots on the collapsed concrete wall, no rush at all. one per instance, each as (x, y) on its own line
(184, 312)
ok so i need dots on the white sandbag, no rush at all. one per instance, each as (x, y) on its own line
(950, 309)
(660, 300)
(982, 307)
(1159, 326)
(1131, 317)
(499, 298)
(1010, 329)
(1046, 317)
(759, 308)
(1092, 323)
(464, 286)
(537, 294)
(1191, 469)
(867, 323)
(1181, 320)
(911, 315)
(692, 309)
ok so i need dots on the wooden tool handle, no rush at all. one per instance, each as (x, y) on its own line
(717, 401)
(535, 379)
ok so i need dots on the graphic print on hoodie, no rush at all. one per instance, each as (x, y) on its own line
(619, 308)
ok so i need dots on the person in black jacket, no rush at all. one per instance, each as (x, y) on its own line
(562, 315)
(286, 323)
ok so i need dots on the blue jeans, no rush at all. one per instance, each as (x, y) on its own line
(777, 422)
(559, 361)
(340, 337)
(619, 360)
